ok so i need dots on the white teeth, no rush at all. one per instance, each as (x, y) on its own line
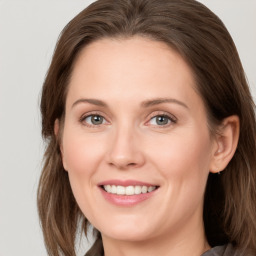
(150, 189)
(137, 190)
(120, 190)
(129, 190)
(144, 190)
(113, 189)
(108, 188)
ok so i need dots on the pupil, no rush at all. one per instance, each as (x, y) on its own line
(162, 120)
(97, 119)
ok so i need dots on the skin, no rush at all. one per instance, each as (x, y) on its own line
(131, 144)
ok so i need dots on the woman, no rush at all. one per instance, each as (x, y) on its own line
(151, 134)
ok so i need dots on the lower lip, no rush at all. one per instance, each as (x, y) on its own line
(124, 200)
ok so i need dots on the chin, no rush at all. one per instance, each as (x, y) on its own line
(128, 235)
(127, 231)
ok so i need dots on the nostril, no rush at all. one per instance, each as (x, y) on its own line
(131, 164)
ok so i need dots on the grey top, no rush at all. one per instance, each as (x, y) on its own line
(224, 250)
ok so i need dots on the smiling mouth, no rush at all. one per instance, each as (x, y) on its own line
(128, 190)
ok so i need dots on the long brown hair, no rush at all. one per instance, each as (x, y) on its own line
(200, 37)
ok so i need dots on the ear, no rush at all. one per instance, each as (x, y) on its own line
(226, 143)
(58, 135)
(56, 127)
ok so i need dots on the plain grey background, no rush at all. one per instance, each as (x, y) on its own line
(28, 33)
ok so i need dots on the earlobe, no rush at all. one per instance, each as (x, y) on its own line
(226, 143)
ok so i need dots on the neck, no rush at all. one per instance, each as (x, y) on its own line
(189, 241)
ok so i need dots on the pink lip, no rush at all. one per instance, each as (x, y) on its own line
(124, 200)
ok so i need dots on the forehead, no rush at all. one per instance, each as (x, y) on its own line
(123, 68)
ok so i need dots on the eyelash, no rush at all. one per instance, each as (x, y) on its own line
(82, 119)
(171, 119)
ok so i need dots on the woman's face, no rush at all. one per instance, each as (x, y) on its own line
(135, 126)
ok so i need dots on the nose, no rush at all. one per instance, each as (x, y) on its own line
(125, 150)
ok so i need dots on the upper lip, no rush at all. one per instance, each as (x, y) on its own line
(126, 183)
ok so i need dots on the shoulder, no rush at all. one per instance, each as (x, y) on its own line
(224, 250)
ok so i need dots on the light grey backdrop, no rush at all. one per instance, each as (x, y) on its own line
(28, 32)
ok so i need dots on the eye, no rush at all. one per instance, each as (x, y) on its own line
(161, 120)
(93, 120)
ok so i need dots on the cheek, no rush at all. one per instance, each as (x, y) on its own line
(183, 160)
(185, 153)
(81, 154)
(81, 158)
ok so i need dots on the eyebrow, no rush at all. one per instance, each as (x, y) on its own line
(157, 101)
(144, 104)
(95, 102)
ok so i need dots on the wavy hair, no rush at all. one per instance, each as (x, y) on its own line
(201, 38)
